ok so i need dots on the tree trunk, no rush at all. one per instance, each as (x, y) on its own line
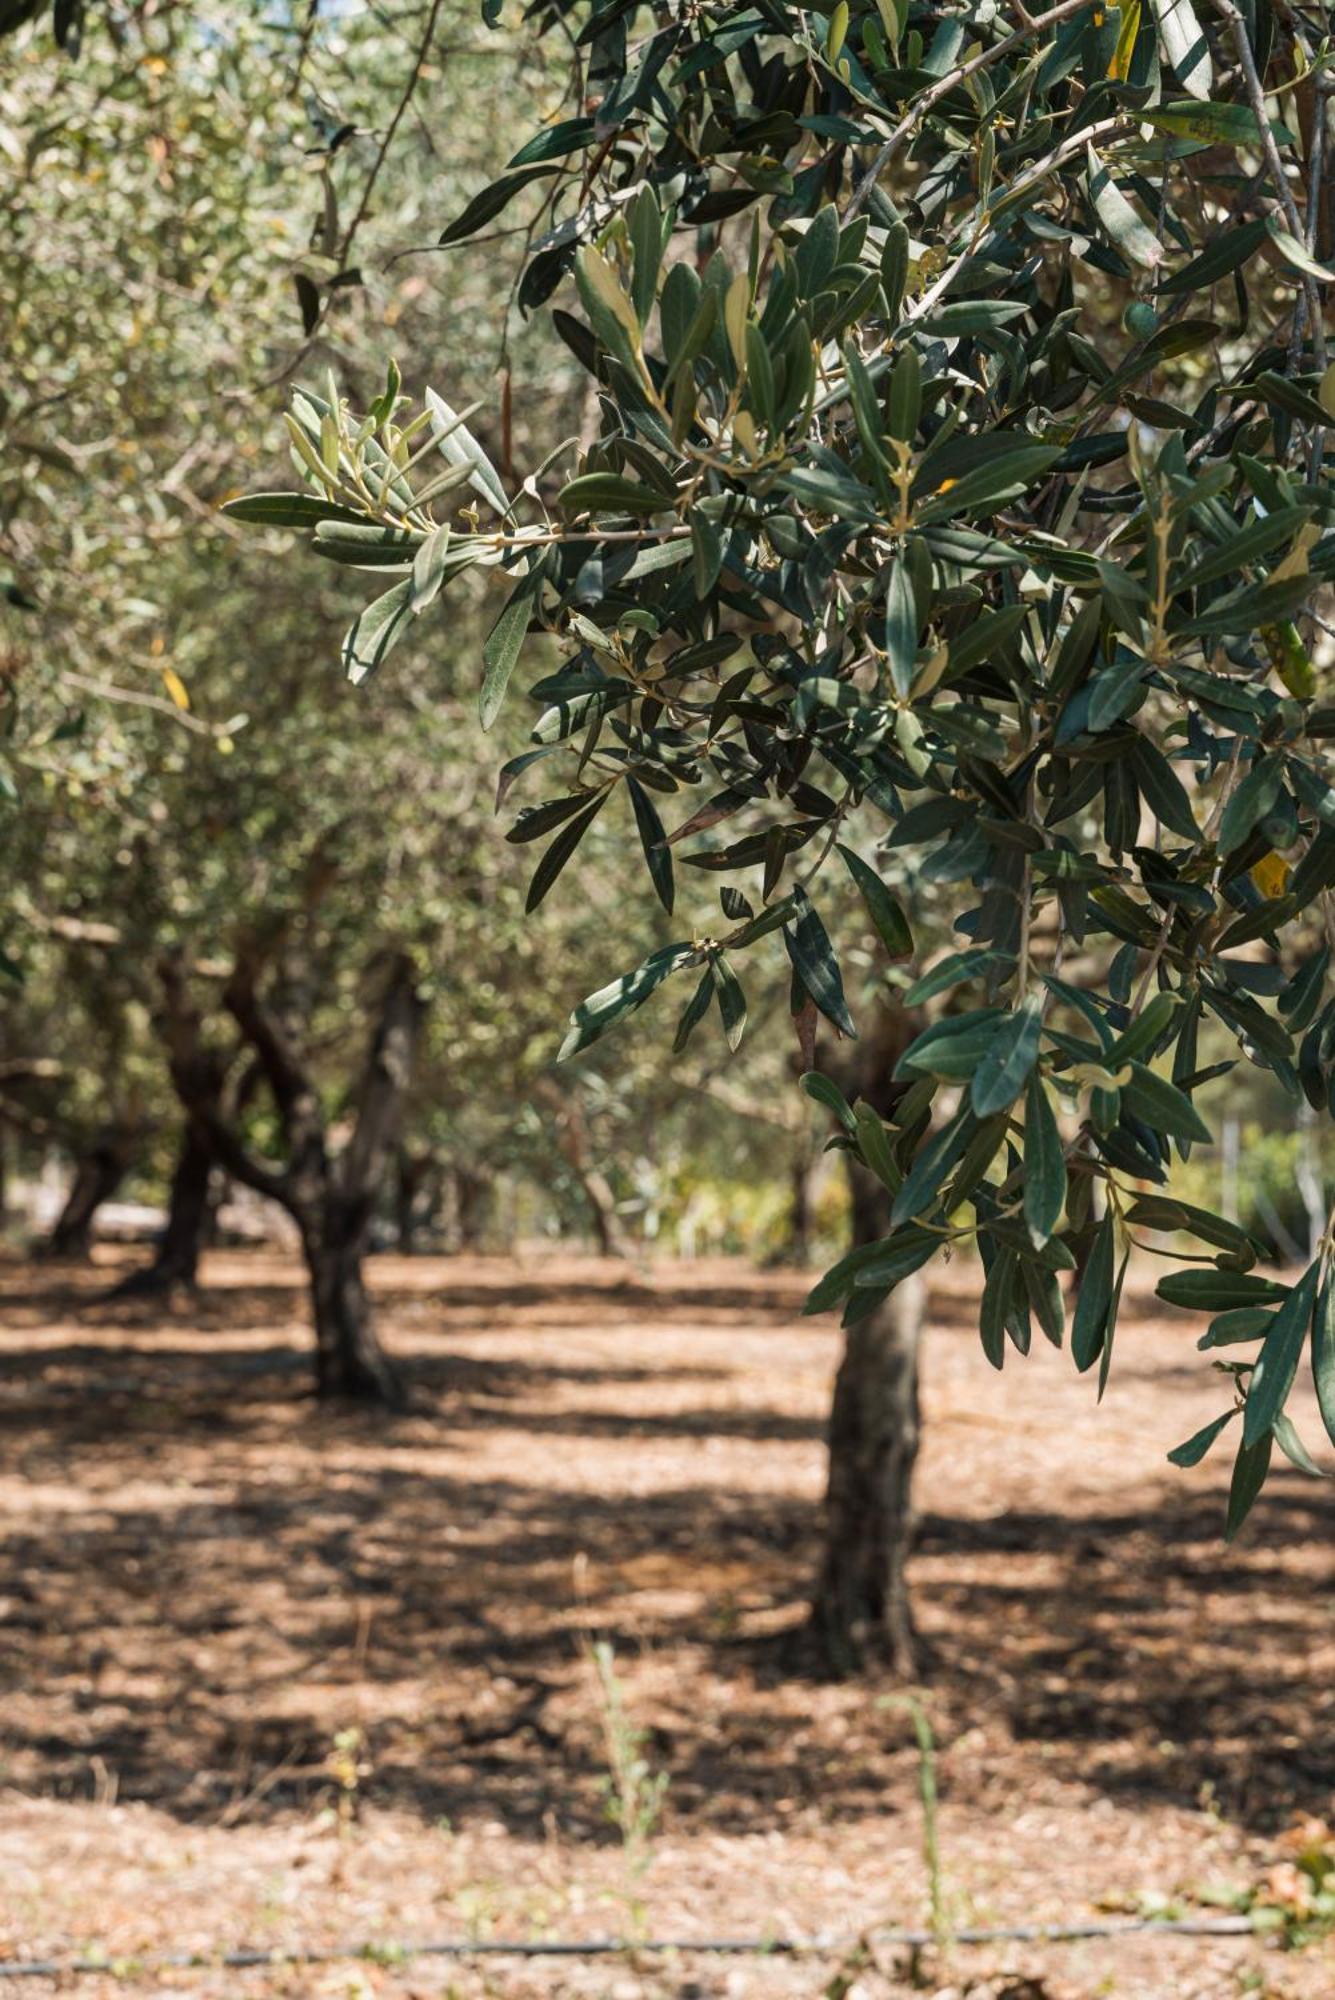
(607, 1231)
(572, 1140)
(412, 1175)
(189, 1216)
(469, 1210)
(330, 1200)
(794, 1246)
(350, 1363)
(861, 1606)
(97, 1175)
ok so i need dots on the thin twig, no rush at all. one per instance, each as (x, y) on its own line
(138, 698)
(1031, 26)
(1041, 168)
(1256, 92)
(360, 213)
(405, 99)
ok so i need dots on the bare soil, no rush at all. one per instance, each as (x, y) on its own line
(274, 1677)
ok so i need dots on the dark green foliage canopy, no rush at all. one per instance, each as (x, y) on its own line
(954, 519)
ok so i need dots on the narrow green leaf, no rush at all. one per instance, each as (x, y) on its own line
(1297, 254)
(1221, 124)
(996, 1305)
(885, 913)
(706, 553)
(370, 637)
(653, 839)
(559, 852)
(873, 1143)
(502, 648)
(1144, 1032)
(904, 401)
(953, 970)
(1300, 999)
(1196, 1446)
(934, 1161)
(288, 510)
(1249, 1471)
(1323, 1357)
(1044, 1163)
(1110, 1324)
(823, 1091)
(1002, 478)
(1093, 1300)
(731, 999)
(1163, 1106)
(1277, 1363)
(840, 1279)
(1220, 259)
(1004, 1070)
(1045, 1299)
(964, 316)
(1293, 1448)
(1219, 1291)
(814, 960)
(460, 447)
(594, 1016)
(902, 1253)
(693, 1012)
(1251, 802)
(1232, 1329)
(608, 493)
(534, 821)
(486, 206)
(1128, 232)
(1162, 789)
(901, 628)
(1184, 46)
(953, 1048)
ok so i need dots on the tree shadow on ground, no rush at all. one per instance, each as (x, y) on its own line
(208, 1578)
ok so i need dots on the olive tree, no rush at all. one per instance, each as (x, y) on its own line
(951, 520)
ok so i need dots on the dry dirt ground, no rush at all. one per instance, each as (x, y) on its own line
(274, 1677)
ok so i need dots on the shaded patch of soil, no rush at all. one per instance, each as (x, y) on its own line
(209, 1585)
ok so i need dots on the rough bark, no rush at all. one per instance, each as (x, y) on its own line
(98, 1172)
(572, 1139)
(861, 1606)
(190, 1211)
(331, 1200)
(350, 1363)
(412, 1181)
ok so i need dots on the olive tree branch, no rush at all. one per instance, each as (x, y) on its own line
(1032, 25)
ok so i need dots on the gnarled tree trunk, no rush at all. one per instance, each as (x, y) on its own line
(98, 1173)
(330, 1200)
(861, 1605)
(415, 1179)
(572, 1137)
(350, 1363)
(189, 1219)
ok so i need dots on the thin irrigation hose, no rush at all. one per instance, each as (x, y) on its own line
(130, 1967)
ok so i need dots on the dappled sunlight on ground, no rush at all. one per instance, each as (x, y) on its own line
(208, 1582)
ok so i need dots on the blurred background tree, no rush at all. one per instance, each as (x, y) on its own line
(213, 199)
